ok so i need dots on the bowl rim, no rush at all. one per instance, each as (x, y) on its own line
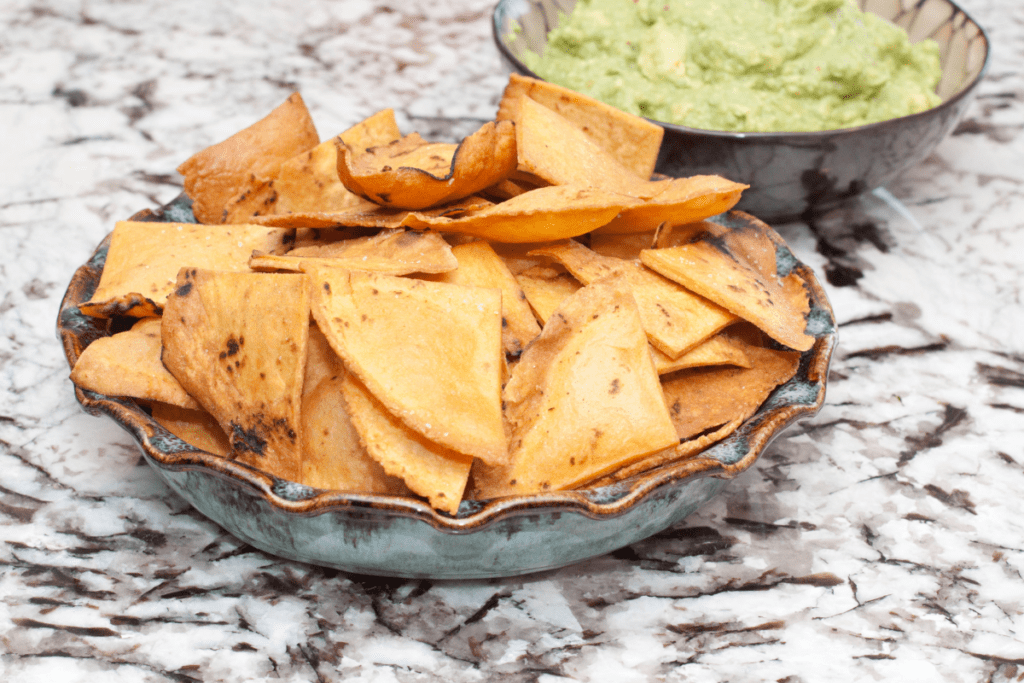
(786, 136)
(164, 450)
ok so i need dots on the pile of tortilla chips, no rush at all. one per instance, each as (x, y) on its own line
(528, 310)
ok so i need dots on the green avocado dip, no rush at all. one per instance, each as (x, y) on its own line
(742, 65)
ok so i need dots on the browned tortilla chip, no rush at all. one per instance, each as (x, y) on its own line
(413, 174)
(546, 288)
(547, 213)
(632, 140)
(397, 252)
(554, 149)
(701, 399)
(676, 319)
(237, 343)
(679, 201)
(621, 245)
(480, 266)
(721, 349)
(195, 427)
(333, 457)
(219, 173)
(378, 129)
(144, 259)
(128, 364)
(433, 471)
(395, 333)
(584, 398)
(372, 216)
(713, 269)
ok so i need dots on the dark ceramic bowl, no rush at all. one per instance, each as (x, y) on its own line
(398, 536)
(792, 173)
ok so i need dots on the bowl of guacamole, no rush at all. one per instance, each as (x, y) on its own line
(810, 102)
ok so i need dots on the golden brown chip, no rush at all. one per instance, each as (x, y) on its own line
(676, 319)
(702, 399)
(632, 140)
(372, 216)
(195, 427)
(333, 457)
(552, 148)
(678, 201)
(621, 245)
(437, 473)
(429, 351)
(373, 131)
(721, 349)
(219, 173)
(547, 213)
(413, 174)
(715, 268)
(144, 258)
(396, 252)
(480, 266)
(546, 288)
(584, 398)
(237, 343)
(128, 364)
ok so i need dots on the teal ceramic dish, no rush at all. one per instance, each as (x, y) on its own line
(404, 537)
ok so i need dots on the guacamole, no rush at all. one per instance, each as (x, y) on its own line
(742, 65)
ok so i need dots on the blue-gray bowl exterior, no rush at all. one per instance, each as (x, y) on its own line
(404, 537)
(794, 175)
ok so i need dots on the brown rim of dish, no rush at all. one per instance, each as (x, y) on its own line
(77, 331)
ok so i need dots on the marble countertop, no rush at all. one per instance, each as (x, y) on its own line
(881, 540)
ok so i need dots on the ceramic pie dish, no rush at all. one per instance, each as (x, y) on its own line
(405, 537)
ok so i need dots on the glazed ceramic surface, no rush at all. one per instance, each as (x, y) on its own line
(405, 537)
(791, 174)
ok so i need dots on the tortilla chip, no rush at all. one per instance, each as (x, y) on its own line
(396, 334)
(547, 213)
(372, 216)
(413, 174)
(721, 349)
(702, 399)
(219, 173)
(676, 319)
(237, 343)
(397, 252)
(584, 398)
(195, 427)
(480, 266)
(632, 140)
(546, 288)
(679, 201)
(718, 268)
(373, 131)
(552, 148)
(128, 364)
(144, 259)
(332, 456)
(621, 245)
(433, 471)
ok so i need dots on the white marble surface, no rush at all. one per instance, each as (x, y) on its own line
(882, 540)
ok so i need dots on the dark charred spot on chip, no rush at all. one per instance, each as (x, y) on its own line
(504, 321)
(184, 290)
(616, 386)
(327, 287)
(512, 482)
(248, 441)
(232, 347)
(572, 461)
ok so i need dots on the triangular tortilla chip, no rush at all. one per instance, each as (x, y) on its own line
(584, 398)
(554, 149)
(433, 471)
(679, 201)
(632, 140)
(721, 349)
(701, 399)
(237, 343)
(676, 319)
(480, 266)
(144, 259)
(128, 364)
(546, 288)
(395, 333)
(219, 173)
(715, 268)
(396, 252)
(411, 173)
(333, 457)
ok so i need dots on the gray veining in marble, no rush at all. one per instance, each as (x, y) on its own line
(882, 540)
